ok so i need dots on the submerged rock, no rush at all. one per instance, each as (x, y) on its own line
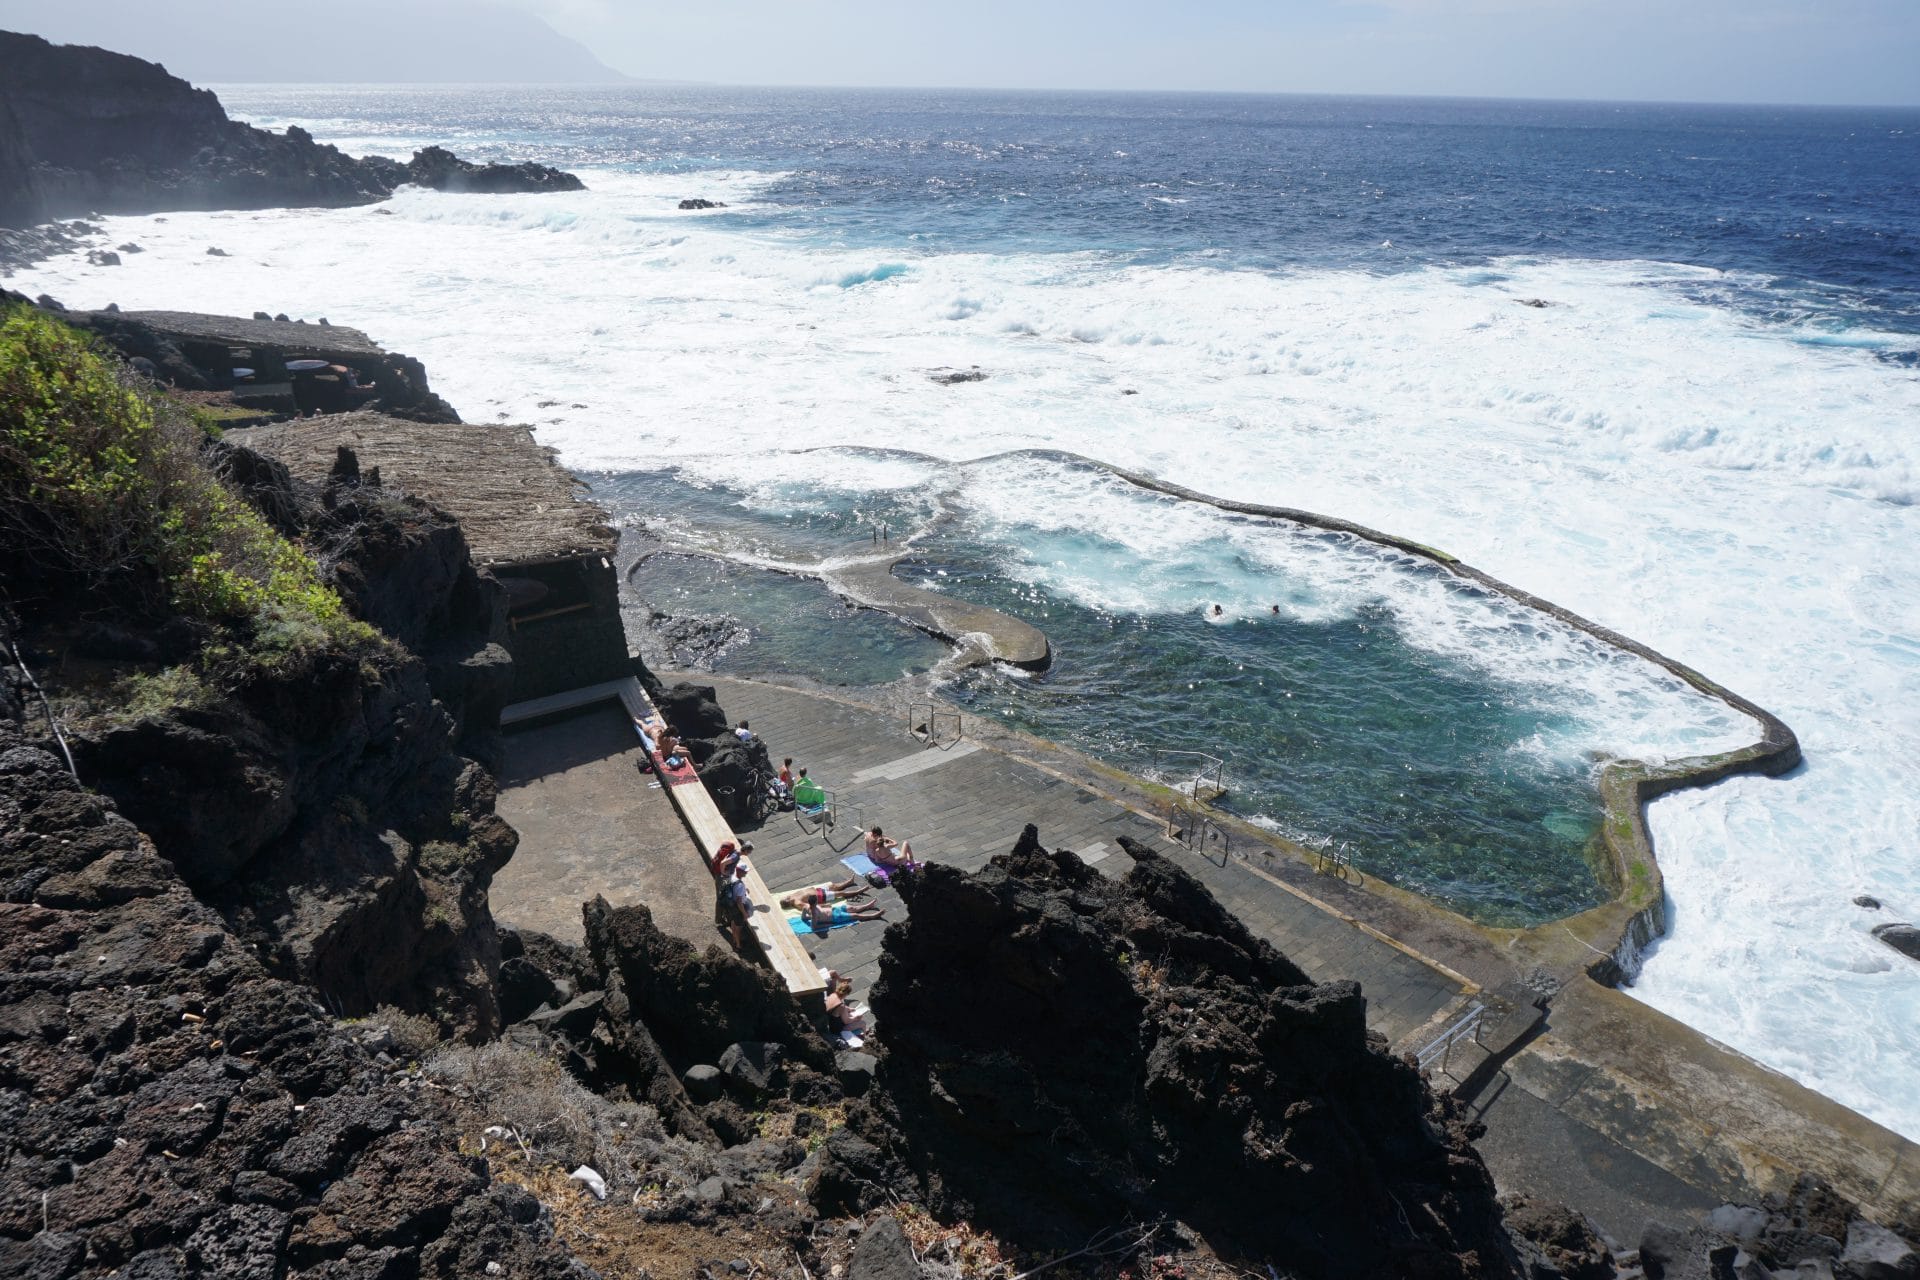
(698, 203)
(953, 377)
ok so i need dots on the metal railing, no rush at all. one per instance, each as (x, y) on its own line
(1209, 780)
(1332, 859)
(926, 720)
(1440, 1049)
(1190, 824)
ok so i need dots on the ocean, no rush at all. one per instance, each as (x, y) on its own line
(1660, 364)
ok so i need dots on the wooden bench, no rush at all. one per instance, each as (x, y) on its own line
(778, 942)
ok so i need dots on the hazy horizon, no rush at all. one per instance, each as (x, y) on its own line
(1863, 53)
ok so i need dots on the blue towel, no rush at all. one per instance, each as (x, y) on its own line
(798, 923)
(860, 864)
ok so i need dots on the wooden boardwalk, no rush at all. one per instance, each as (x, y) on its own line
(964, 804)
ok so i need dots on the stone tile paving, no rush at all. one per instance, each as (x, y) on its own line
(966, 804)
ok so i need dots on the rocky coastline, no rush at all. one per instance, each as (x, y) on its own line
(256, 1017)
(84, 131)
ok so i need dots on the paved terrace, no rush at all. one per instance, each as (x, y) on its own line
(1615, 1108)
(1612, 1106)
(964, 804)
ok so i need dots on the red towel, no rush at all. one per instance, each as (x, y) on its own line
(674, 777)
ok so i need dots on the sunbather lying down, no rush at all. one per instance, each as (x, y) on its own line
(849, 890)
(823, 915)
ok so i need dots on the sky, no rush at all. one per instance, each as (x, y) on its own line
(1776, 51)
(1798, 51)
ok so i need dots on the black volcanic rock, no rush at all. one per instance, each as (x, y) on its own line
(331, 809)
(700, 203)
(441, 170)
(171, 1109)
(1063, 1052)
(21, 202)
(83, 129)
(1904, 938)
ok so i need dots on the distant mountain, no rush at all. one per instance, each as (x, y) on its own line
(335, 41)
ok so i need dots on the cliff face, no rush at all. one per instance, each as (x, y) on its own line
(173, 1109)
(21, 203)
(104, 132)
(333, 809)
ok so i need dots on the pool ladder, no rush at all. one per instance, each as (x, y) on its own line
(926, 720)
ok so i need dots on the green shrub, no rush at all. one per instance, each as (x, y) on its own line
(145, 696)
(102, 484)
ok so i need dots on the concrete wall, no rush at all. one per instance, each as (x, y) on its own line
(568, 650)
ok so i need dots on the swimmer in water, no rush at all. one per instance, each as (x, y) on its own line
(1217, 611)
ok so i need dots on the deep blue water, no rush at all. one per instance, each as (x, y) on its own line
(1825, 200)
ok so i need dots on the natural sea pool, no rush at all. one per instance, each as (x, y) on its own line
(1449, 740)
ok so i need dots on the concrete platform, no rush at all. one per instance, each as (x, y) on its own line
(965, 804)
(590, 822)
(1610, 1104)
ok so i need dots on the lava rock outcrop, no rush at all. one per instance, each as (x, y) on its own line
(1063, 1052)
(171, 1109)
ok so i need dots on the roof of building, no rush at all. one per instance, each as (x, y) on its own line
(516, 504)
(285, 335)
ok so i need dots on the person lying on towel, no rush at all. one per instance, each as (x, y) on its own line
(824, 915)
(848, 890)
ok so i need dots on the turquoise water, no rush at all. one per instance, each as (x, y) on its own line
(792, 626)
(1464, 787)
(1336, 730)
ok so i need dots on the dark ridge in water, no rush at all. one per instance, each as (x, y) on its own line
(790, 625)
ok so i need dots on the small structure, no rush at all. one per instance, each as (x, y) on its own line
(524, 518)
(285, 367)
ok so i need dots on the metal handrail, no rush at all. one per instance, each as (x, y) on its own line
(1466, 1026)
(1199, 830)
(1333, 859)
(927, 727)
(1216, 766)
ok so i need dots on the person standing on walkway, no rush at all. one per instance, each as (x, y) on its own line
(737, 904)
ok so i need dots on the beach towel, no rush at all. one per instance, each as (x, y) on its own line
(675, 777)
(878, 876)
(798, 923)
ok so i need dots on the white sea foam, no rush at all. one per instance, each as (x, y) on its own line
(1736, 492)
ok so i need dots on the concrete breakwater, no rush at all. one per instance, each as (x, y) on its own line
(1626, 906)
(1623, 855)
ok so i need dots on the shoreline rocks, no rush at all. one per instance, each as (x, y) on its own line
(84, 130)
(1063, 1051)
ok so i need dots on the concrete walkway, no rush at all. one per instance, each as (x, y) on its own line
(964, 804)
(590, 822)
